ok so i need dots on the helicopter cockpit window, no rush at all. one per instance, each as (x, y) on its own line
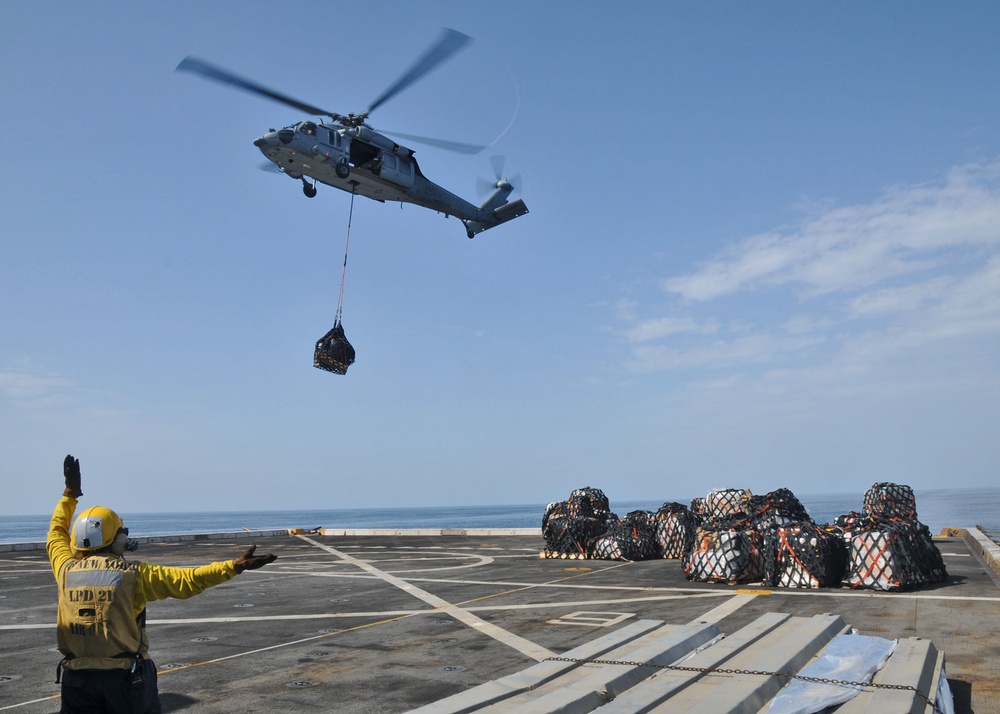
(307, 127)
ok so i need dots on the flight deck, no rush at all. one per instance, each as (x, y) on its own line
(394, 622)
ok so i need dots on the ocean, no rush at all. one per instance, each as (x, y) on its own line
(939, 508)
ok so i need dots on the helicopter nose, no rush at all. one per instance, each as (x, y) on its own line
(271, 138)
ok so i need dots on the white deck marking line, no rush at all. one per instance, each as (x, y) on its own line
(387, 613)
(716, 614)
(33, 701)
(525, 647)
(776, 591)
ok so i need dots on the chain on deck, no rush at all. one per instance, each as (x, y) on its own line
(757, 672)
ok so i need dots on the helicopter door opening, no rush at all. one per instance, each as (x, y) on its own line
(364, 155)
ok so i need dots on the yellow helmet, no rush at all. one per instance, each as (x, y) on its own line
(96, 528)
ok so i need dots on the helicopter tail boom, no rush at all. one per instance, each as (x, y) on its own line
(501, 214)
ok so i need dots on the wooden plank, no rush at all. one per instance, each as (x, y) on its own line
(594, 685)
(538, 674)
(785, 649)
(667, 683)
(916, 663)
(556, 555)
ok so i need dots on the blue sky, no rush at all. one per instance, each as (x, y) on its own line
(763, 251)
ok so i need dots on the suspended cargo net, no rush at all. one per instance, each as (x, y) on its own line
(725, 556)
(675, 530)
(804, 556)
(333, 352)
(890, 500)
(631, 538)
(894, 555)
(698, 507)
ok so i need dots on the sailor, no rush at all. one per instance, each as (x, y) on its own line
(101, 625)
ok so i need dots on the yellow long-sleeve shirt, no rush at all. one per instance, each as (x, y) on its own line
(151, 582)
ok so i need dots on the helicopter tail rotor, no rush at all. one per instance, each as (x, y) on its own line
(500, 180)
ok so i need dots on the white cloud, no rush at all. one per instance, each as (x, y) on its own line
(666, 326)
(850, 299)
(890, 301)
(755, 349)
(29, 386)
(908, 230)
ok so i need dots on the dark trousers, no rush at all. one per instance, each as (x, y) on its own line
(110, 691)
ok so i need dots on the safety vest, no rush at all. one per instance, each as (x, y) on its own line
(97, 625)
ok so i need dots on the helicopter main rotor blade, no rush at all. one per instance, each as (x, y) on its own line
(197, 66)
(456, 146)
(451, 42)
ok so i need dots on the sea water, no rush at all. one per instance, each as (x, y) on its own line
(939, 508)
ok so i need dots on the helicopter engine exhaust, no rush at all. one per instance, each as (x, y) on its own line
(375, 139)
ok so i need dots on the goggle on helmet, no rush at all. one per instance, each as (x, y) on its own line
(96, 528)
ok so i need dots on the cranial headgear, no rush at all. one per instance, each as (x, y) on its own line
(95, 528)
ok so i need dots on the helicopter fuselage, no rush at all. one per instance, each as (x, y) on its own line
(358, 160)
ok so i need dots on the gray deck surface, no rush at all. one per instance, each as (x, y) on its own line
(392, 623)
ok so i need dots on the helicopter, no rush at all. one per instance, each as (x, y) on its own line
(346, 153)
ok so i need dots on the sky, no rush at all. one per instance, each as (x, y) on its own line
(763, 251)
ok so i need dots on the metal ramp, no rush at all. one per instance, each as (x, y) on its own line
(621, 681)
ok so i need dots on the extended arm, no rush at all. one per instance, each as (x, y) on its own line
(57, 543)
(157, 582)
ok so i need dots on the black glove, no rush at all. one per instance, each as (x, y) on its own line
(71, 470)
(249, 561)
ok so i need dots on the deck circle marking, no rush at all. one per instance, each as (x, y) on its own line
(9, 677)
(482, 560)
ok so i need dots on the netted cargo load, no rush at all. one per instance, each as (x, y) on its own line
(333, 352)
(777, 508)
(570, 527)
(725, 502)
(893, 555)
(568, 534)
(725, 555)
(594, 497)
(891, 500)
(675, 529)
(804, 555)
(698, 507)
(631, 538)
(853, 521)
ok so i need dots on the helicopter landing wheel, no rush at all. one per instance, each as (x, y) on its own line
(470, 234)
(309, 190)
(343, 170)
